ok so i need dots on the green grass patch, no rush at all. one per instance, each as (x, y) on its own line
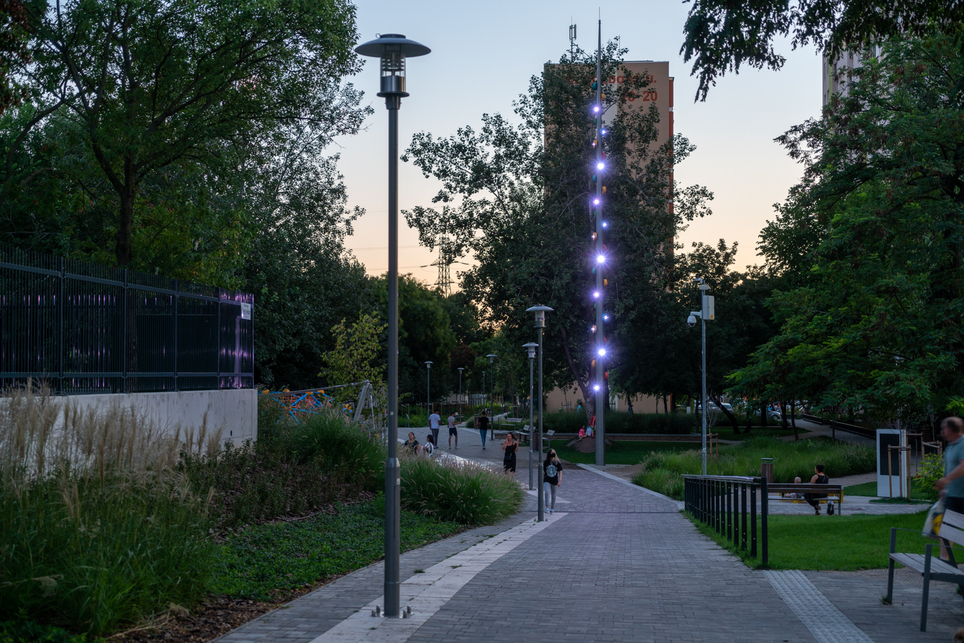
(725, 432)
(621, 451)
(833, 543)
(30, 632)
(869, 489)
(466, 492)
(663, 471)
(673, 423)
(264, 561)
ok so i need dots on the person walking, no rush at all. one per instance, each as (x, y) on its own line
(453, 430)
(951, 486)
(510, 445)
(434, 423)
(482, 424)
(551, 478)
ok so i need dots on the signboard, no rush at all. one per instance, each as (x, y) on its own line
(245, 311)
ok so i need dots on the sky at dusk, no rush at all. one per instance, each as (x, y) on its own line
(483, 56)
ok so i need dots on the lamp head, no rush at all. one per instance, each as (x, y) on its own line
(428, 364)
(531, 349)
(392, 49)
(540, 312)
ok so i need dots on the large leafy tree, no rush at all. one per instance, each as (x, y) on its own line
(876, 324)
(723, 35)
(151, 95)
(521, 207)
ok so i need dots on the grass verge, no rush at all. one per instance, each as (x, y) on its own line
(869, 489)
(265, 562)
(833, 543)
(621, 451)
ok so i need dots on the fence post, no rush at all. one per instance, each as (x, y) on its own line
(218, 351)
(753, 519)
(127, 339)
(61, 349)
(764, 510)
(177, 298)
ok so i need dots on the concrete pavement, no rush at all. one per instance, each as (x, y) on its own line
(614, 563)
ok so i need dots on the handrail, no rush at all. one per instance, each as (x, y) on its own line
(721, 503)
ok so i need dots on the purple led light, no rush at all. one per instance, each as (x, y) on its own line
(595, 108)
(601, 259)
(600, 165)
(595, 201)
(602, 352)
(596, 295)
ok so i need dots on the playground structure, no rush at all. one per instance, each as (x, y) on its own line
(299, 404)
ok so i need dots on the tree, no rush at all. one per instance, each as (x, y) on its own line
(521, 207)
(876, 324)
(156, 90)
(722, 35)
(356, 356)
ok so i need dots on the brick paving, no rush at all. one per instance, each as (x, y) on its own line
(619, 564)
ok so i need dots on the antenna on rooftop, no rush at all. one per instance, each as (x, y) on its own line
(572, 40)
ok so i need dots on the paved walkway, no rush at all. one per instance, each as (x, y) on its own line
(614, 563)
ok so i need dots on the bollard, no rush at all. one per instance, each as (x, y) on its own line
(766, 469)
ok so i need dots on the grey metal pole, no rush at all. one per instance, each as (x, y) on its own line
(530, 422)
(491, 402)
(460, 395)
(703, 328)
(542, 496)
(392, 469)
(599, 430)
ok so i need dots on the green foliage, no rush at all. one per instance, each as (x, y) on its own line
(670, 423)
(293, 469)
(29, 632)
(929, 470)
(874, 319)
(716, 30)
(869, 489)
(466, 493)
(619, 451)
(95, 554)
(353, 359)
(663, 471)
(264, 561)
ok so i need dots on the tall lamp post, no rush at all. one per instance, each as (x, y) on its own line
(460, 392)
(428, 389)
(491, 357)
(531, 351)
(392, 49)
(540, 313)
(706, 312)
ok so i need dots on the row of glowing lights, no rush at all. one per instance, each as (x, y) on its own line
(600, 259)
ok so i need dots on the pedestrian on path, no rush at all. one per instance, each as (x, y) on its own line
(453, 431)
(951, 486)
(818, 478)
(434, 423)
(482, 424)
(510, 445)
(551, 478)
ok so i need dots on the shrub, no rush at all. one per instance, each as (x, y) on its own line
(96, 529)
(30, 632)
(663, 471)
(463, 492)
(929, 471)
(330, 441)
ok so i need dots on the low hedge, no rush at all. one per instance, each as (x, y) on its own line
(638, 423)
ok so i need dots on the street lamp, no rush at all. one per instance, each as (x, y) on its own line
(428, 389)
(491, 357)
(392, 49)
(706, 312)
(531, 351)
(540, 313)
(460, 392)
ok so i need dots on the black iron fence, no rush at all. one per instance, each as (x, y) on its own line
(728, 505)
(87, 328)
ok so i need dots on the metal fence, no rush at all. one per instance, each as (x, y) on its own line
(88, 328)
(721, 502)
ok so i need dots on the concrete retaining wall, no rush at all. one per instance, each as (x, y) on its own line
(236, 409)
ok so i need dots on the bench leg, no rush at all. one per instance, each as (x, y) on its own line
(890, 569)
(927, 582)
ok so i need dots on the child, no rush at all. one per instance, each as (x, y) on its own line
(796, 480)
(429, 448)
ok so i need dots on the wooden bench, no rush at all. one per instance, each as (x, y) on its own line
(931, 567)
(834, 493)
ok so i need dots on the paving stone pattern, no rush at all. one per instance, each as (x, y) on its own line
(619, 565)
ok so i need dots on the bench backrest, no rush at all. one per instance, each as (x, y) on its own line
(804, 487)
(952, 527)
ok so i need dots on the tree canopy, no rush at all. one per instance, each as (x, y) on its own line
(876, 323)
(722, 35)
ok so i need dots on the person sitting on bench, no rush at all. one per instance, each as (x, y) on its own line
(814, 498)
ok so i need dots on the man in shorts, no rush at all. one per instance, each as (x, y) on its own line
(435, 423)
(453, 431)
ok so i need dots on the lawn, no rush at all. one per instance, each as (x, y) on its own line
(621, 452)
(870, 489)
(833, 543)
(725, 432)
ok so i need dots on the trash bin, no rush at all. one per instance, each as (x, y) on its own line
(766, 469)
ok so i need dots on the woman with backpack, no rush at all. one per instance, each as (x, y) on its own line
(551, 478)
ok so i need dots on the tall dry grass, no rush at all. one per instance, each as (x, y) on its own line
(97, 526)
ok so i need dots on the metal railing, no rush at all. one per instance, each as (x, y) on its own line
(88, 328)
(722, 503)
